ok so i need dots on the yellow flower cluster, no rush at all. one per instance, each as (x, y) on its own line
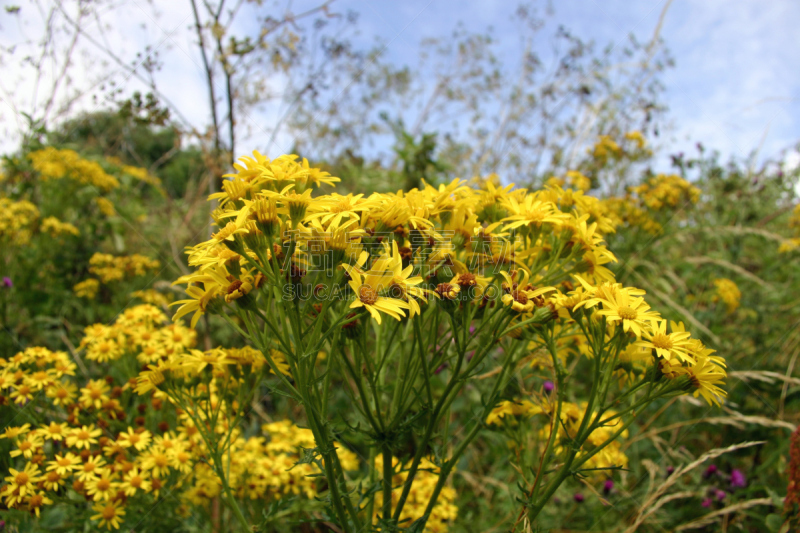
(265, 466)
(152, 296)
(55, 227)
(16, 219)
(605, 148)
(140, 330)
(425, 481)
(637, 137)
(609, 456)
(666, 190)
(642, 202)
(87, 289)
(88, 447)
(105, 206)
(625, 211)
(109, 268)
(271, 226)
(676, 353)
(138, 173)
(728, 292)
(789, 244)
(52, 163)
(578, 180)
(273, 232)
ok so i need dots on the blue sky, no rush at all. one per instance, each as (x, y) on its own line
(735, 86)
(736, 82)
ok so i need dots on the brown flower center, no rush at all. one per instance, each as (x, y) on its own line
(520, 296)
(467, 280)
(367, 294)
(233, 287)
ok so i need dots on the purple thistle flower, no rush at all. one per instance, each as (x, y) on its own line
(737, 479)
(710, 471)
(706, 502)
(608, 486)
(7, 284)
(670, 470)
(548, 386)
(578, 497)
(720, 495)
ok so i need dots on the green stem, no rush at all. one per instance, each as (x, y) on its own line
(388, 473)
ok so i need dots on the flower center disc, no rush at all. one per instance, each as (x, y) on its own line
(367, 294)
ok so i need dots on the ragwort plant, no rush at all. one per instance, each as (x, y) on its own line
(410, 297)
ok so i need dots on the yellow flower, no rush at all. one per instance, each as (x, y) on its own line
(728, 292)
(156, 462)
(196, 361)
(12, 432)
(64, 464)
(511, 409)
(23, 481)
(90, 467)
(94, 394)
(532, 212)
(36, 501)
(104, 351)
(368, 287)
(83, 437)
(667, 345)
(52, 481)
(522, 296)
(198, 303)
(706, 377)
(103, 487)
(62, 393)
(138, 439)
(109, 514)
(27, 446)
(634, 313)
(149, 379)
(135, 481)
